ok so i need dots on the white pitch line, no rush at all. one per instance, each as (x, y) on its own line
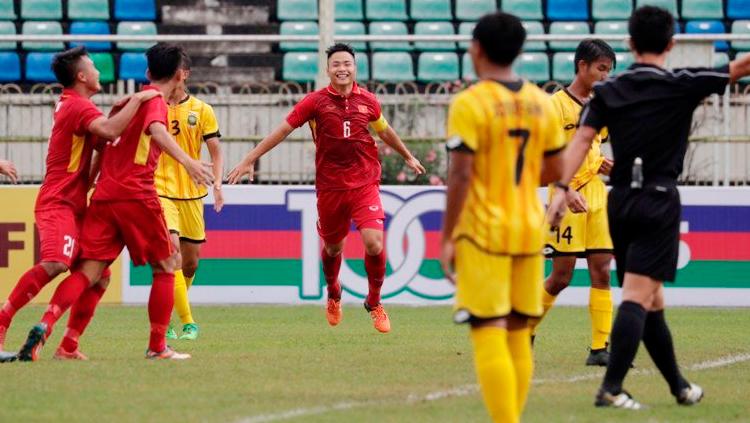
(465, 390)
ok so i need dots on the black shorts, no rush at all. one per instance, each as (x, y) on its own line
(645, 229)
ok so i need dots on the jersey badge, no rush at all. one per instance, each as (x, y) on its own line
(192, 119)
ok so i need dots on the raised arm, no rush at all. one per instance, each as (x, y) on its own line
(247, 165)
(111, 127)
(200, 173)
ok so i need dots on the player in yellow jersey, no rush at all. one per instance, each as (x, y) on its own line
(504, 137)
(192, 123)
(584, 232)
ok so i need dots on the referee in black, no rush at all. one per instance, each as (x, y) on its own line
(648, 111)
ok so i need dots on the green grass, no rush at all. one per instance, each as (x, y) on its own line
(253, 361)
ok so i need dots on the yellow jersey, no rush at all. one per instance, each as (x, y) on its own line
(569, 110)
(190, 122)
(509, 128)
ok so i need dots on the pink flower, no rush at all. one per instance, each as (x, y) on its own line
(387, 151)
(401, 177)
(435, 180)
(431, 156)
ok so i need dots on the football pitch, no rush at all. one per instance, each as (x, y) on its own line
(282, 363)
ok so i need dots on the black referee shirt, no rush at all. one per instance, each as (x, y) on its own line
(648, 112)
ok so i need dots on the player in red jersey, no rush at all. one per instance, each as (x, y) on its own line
(125, 210)
(347, 178)
(61, 202)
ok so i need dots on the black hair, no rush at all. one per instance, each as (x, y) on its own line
(339, 47)
(593, 49)
(65, 65)
(501, 36)
(651, 29)
(164, 60)
(186, 62)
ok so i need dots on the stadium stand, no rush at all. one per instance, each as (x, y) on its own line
(10, 66)
(611, 9)
(431, 10)
(41, 10)
(386, 10)
(708, 27)
(38, 67)
(437, 67)
(349, 10)
(738, 9)
(533, 66)
(567, 10)
(434, 28)
(100, 28)
(135, 10)
(7, 11)
(563, 67)
(42, 28)
(7, 28)
(392, 66)
(89, 10)
(299, 28)
(741, 27)
(133, 66)
(472, 10)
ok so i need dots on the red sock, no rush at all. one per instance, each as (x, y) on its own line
(375, 267)
(160, 304)
(80, 316)
(69, 290)
(331, 266)
(27, 288)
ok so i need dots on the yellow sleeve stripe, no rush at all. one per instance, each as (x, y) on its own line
(380, 124)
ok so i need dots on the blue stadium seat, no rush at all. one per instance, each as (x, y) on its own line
(298, 28)
(41, 10)
(467, 68)
(741, 27)
(6, 10)
(567, 10)
(534, 28)
(670, 5)
(300, 67)
(611, 9)
(738, 9)
(91, 28)
(10, 67)
(532, 66)
(135, 10)
(7, 28)
(38, 67)
(351, 28)
(563, 67)
(363, 67)
(431, 10)
(567, 28)
(434, 28)
(437, 67)
(708, 27)
(386, 10)
(472, 10)
(702, 9)
(389, 28)
(133, 66)
(392, 67)
(349, 10)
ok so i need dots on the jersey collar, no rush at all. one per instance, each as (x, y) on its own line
(572, 97)
(331, 91)
(70, 92)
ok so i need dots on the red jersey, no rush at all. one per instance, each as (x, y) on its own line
(66, 181)
(346, 156)
(129, 162)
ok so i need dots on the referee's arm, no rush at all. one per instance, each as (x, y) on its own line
(739, 68)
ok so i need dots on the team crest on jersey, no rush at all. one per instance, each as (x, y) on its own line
(362, 109)
(192, 119)
(374, 208)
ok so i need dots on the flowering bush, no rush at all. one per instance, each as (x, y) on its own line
(430, 152)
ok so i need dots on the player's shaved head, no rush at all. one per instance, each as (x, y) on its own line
(651, 29)
(65, 65)
(501, 37)
(164, 60)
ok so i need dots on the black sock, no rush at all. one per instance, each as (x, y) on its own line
(626, 335)
(658, 342)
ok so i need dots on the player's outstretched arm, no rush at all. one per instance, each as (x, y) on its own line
(459, 179)
(8, 169)
(572, 158)
(214, 150)
(200, 172)
(247, 165)
(739, 68)
(391, 138)
(111, 127)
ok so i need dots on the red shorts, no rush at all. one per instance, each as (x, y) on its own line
(337, 209)
(137, 224)
(58, 234)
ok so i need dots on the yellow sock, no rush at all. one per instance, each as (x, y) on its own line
(189, 281)
(600, 309)
(495, 373)
(181, 303)
(548, 300)
(519, 344)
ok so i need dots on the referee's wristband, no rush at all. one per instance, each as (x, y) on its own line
(562, 186)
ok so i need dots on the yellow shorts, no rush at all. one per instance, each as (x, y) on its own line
(185, 217)
(490, 286)
(581, 234)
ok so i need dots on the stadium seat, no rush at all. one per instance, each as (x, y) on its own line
(386, 10)
(702, 9)
(567, 28)
(613, 27)
(532, 66)
(738, 9)
(708, 27)
(6, 10)
(41, 10)
(389, 28)
(349, 10)
(88, 10)
(42, 28)
(534, 28)
(670, 5)
(10, 66)
(7, 28)
(720, 59)
(624, 60)
(298, 28)
(567, 10)
(437, 67)
(300, 67)
(91, 28)
(431, 10)
(563, 67)
(434, 28)
(392, 67)
(465, 28)
(38, 67)
(105, 64)
(741, 27)
(351, 28)
(611, 9)
(133, 66)
(135, 28)
(472, 10)
(524, 9)
(467, 68)
(297, 10)
(363, 67)
(135, 10)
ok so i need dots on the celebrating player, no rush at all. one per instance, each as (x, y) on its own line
(125, 211)
(504, 137)
(585, 232)
(347, 176)
(61, 202)
(648, 111)
(191, 122)
(8, 169)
